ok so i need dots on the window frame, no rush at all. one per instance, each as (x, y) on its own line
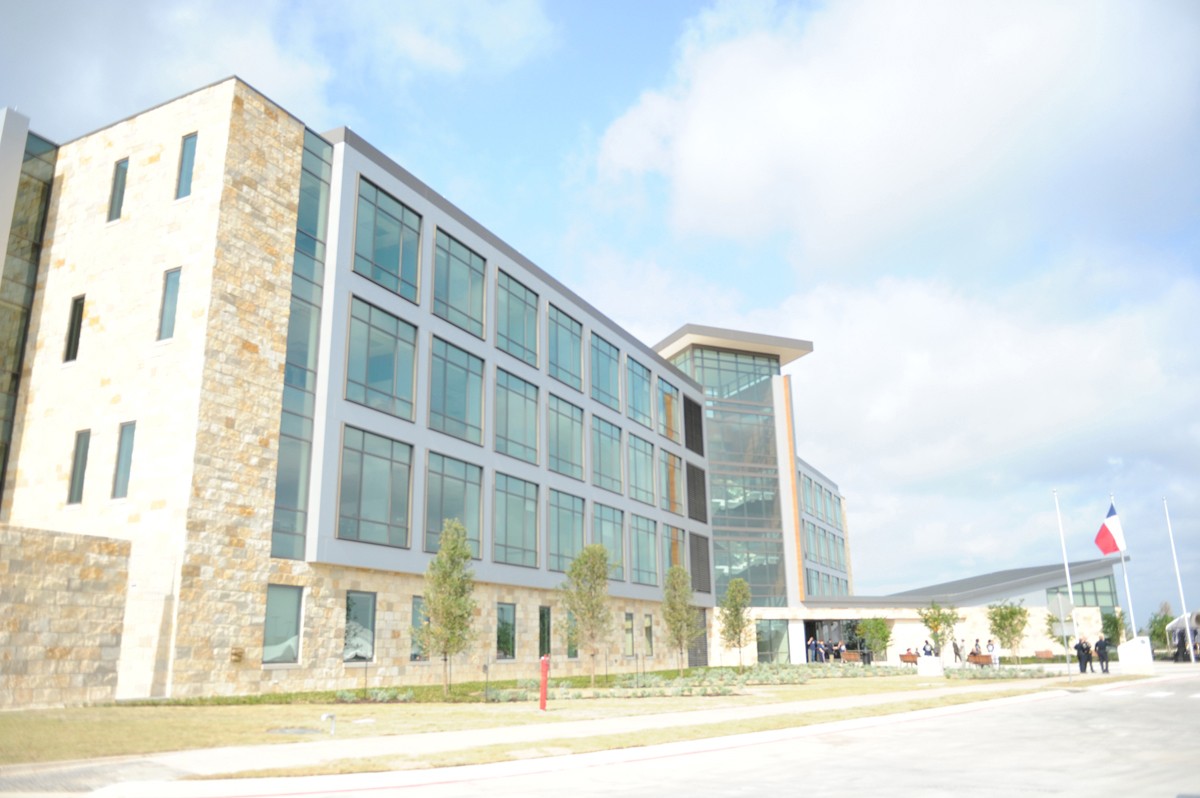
(450, 379)
(405, 281)
(566, 338)
(169, 305)
(74, 328)
(449, 268)
(79, 458)
(512, 304)
(371, 334)
(520, 546)
(124, 459)
(396, 526)
(298, 625)
(187, 165)
(502, 608)
(432, 536)
(605, 361)
(370, 630)
(116, 194)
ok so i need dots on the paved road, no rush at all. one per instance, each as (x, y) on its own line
(1135, 739)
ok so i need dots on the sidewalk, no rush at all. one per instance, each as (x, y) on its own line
(74, 778)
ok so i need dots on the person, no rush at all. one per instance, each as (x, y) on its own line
(1083, 650)
(812, 649)
(958, 651)
(1181, 652)
(1101, 649)
(820, 651)
(977, 649)
(841, 650)
(927, 649)
(993, 652)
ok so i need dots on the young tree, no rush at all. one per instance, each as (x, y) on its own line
(680, 618)
(584, 596)
(1157, 628)
(940, 622)
(1007, 623)
(876, 634)
(449, 599)
(735, 618)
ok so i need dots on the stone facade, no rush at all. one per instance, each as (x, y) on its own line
(63, 599)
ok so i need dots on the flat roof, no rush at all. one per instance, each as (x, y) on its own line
(786, 349)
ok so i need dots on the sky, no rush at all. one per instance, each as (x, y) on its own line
(985, 217)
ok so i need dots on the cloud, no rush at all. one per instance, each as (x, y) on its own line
(858, 126)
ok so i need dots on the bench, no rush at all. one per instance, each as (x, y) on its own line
(979, 659)
(1044, 654)
(851, 656)
(911, 659)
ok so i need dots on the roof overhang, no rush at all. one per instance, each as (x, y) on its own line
(786, 349)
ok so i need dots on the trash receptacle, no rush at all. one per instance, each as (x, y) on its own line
(866, 657)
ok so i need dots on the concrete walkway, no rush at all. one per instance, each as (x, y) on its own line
(74, 778)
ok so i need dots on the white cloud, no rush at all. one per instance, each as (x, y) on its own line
(861, 123)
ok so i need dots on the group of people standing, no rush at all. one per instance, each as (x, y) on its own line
(1084, 651)
(820, 651)
(960, 650)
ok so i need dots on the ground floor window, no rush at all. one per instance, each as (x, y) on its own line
(506, 631)
(281, 637)
(419, 618)
(543, 631)
(773, 641)
(629, 634)
(648, 634)
(359, 644)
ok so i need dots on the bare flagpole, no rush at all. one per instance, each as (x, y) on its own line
(1187, 621)
(1062, 539)
(1125, 572)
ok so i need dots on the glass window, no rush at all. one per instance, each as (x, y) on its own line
(516, 417)
(606, 373)
(641, 470)
(772, 641)
(674, 550)
(566, 349)
(543, 631)
(458, 284)
(608, 529)
(187, 160)
(116, 197)
(373, 505)
(506, 631)
(281, 637)
(170, 298)
(516, 319)
(124, 460)
(670, 475)
(360, 627)
(419, 619)
(606, 455)
(637, 391)
(643, 545)
(515, 518)
(628, 649)
(566, 437)
(79, 466)
(380, 360)
(456, 392)
(572, 643)
(452, 490)
(566, 529)
(74, 329)
(387, 241)
(648, 634)
(668, 410)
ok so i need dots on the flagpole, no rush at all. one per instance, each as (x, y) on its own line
(1187, 621)
(1062, 539)
(1125, 575)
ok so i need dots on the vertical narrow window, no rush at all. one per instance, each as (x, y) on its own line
(373, 495)
(674, 552)
(643, 544)
(606, 455)
(648, 634)
(452, 490)
(566, 530)
(516, 319)
(641, 470)
(628, 634)
(608, 529)
(637, 392)
(359, 645)
(668, 410)
(514, 538)
(79, 466)
(416, 653)
(456, 392)
(670, 476)
(543, 631)
(170, 298)
(516, 417)
(506, 631)
(606, 373)
(74, 329)
(566, 349)
(380, 360)
(116, 197)
(187, 160)
(458, 284)
(386, 241)
(124, 460)
(281, 637)
(566, 437)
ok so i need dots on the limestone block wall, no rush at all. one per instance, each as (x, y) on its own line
(123, 373)
(62, 607)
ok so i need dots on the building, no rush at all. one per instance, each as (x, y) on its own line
(251, 369)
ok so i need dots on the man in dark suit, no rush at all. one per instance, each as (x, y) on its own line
(1101, 649)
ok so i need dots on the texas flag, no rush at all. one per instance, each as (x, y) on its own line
(1110, 538)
